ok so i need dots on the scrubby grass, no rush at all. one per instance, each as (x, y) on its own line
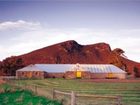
(130, 92)
(24, 98)
(8, 96)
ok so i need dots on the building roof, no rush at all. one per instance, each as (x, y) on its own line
(102, 68)
(30, 68)
(94, 68)
(55, 67)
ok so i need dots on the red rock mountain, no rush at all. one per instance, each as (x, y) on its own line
(70, 52)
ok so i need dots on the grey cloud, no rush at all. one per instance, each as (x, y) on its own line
(19, 25)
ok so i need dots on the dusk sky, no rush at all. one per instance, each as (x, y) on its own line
(27, 25)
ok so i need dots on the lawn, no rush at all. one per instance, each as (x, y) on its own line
(130, 92)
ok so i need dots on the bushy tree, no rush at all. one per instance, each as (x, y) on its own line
(118, 51)
(1, 69)
(136, 72)
(11, 64)
(116, 59)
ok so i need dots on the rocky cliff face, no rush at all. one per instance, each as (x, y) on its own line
(70, 52)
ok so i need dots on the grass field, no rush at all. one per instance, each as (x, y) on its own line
(22, 97)
(130, 92)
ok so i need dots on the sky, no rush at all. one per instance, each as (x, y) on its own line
(27, 25)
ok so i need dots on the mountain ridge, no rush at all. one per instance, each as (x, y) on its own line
(70, 48)
(70, 52)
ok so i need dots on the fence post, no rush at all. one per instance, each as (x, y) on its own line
(53, 93)
(35, 89)
(25, 86)
(73, 99)
(119, 100)
(18, 84)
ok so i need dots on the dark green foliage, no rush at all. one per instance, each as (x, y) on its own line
(24, 98)
(6, 88)
(58, 59)
(136, 71)
(10, 65)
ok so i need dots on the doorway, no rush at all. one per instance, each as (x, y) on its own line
(110, 75)
(78, 74)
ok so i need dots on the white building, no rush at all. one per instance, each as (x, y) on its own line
(89, 71)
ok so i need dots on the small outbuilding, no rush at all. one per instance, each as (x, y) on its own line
(71, 71)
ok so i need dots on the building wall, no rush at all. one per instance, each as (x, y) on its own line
(67, 75)
(73, 75)
(107, 75)
(86, 75)
(70, 75)
(30, 74)
(121, 75)
(55, 75)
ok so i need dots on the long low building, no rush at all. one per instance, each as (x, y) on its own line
(71, 71)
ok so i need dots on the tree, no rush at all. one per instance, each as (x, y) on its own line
(11, 64)
(115, 58)
(1, 69)
(58, 59)
(118, 51)
(136, 72)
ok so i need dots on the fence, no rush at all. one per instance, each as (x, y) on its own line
(70, 97)
(39, 90)
(7, 77)
(73, 96)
